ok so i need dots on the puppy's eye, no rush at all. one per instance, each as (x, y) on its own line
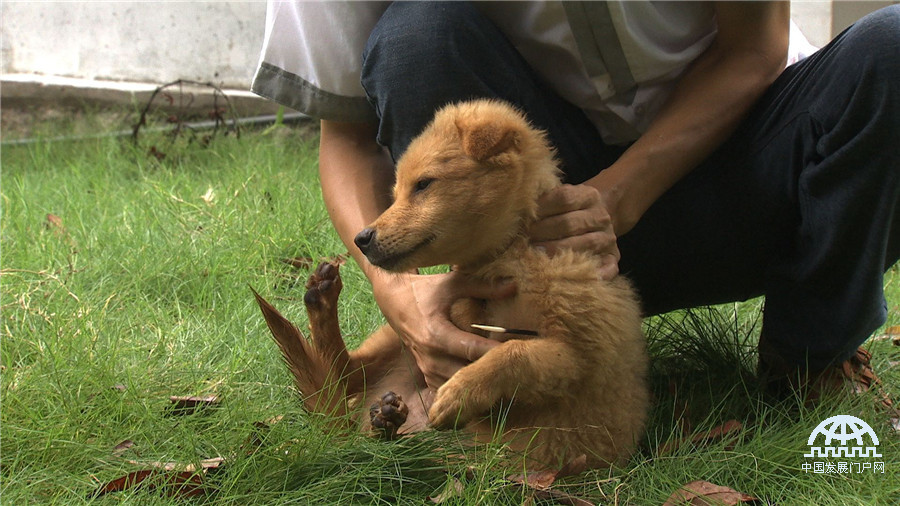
(422, 184)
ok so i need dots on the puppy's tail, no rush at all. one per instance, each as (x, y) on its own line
(323, 392)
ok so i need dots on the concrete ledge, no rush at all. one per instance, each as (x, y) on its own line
(38, 90)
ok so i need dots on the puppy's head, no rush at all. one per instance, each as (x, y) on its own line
(465, 187)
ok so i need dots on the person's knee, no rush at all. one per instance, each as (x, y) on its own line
(875, 41)
(411, 32)
(885, 20)
(419, 56)
(862, 67)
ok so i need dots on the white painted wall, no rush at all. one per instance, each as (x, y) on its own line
(134, 41)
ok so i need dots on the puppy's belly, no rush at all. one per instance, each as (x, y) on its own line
(412, 390)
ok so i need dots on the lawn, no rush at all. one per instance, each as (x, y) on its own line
(126, 280)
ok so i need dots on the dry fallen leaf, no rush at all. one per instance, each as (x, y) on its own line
(203, 465)
(255, 440)
(180, 483)
(55, 224)
(183, 405)
(453, 490)
(703, 492)
(727, 431)
(159, 155)
(122, 447)
(561, 498)
(575, 466)
(213, 463)
(540, 482)
(209, 197)
(891, 333)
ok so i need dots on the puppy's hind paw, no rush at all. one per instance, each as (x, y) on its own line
(323, 286)
(387, 415)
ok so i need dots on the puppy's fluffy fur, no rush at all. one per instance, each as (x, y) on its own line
(466, 191)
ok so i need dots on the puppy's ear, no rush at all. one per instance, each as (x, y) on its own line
(484, 139)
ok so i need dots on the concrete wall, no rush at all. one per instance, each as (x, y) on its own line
(153, 42)
(821, 20)
(814, 19)
(845, 14)
(157, 42)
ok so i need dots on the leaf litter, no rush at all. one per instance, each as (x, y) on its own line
(178, 479)
(540, 482)
(702, 492)
(728, 432)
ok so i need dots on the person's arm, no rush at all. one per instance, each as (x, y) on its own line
(357, 176)
(707, 105)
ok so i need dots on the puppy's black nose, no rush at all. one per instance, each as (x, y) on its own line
(365, 239)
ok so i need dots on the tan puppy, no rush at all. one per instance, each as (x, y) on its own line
(466, 191)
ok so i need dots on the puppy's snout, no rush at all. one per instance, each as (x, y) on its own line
(364, 240)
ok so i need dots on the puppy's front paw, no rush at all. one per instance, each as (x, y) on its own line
(455, 404)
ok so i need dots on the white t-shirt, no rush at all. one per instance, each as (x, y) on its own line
(616, 60)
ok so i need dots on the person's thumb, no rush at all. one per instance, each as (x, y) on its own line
(466, 345)
(475, 289)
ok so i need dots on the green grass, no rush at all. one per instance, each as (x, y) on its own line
(147, 287)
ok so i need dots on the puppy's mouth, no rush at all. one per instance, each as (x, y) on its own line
(392, 261)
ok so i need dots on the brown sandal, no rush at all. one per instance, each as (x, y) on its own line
(856, 371)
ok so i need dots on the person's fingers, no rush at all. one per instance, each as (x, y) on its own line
(470, 346)
(437, 372)
(601, 243)
(455, 348)
(609, 267)
(574, 223)
(566, 198)
(449, 340)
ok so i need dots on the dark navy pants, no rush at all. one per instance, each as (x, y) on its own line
(800, 205)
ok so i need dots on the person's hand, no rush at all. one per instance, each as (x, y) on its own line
(575, 217)
(418, 308)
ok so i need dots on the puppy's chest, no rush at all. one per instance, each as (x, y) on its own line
(523, 311)
(519, 312)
